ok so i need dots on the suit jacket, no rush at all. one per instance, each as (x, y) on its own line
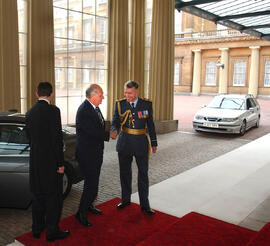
(90, 133)
(142, 117)
(44, 130)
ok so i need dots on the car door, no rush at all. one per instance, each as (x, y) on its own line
(251, 113)
(256, 108)
(14, 166)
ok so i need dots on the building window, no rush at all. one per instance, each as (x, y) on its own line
(210, 74)
(177, 22)
(176, 73)
(23, 32)
(239, 73)
(70, 76)
(89, 28)
(100, 29)
(267, 73)
(57, 75)
(70, 36)
(100, 76)
(102, 1)
(86, 75)
(81, 48)
(147, 24)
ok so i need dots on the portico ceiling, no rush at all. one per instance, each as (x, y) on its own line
(248, 16)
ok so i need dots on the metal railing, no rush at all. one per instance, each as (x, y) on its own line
(209, 35)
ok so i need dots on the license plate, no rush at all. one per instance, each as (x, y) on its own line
(213, 125)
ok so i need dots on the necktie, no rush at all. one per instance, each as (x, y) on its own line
(132, 105)
(99, 115)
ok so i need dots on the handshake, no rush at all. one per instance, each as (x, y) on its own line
(113, 134)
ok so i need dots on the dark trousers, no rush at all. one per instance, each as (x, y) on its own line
(125, 161)
(91, 170)
(47, 208)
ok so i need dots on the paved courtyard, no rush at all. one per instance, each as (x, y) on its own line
(177, 152)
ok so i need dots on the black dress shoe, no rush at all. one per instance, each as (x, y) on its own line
(82, 218)
(36, 234)
(57, 236)
(148, 211)
(123, 205)
(94, 210)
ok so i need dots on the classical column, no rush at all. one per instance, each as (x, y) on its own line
(224, 71)
(41, 46)
(9, 56)
(162, 59)
(254, 71)
(137, 44)
(118, 62)
(196, 83)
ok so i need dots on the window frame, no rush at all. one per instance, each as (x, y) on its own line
(237, 75)
(268, 73)
(208, 75)
(78, 46)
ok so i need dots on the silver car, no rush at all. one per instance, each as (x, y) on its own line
(228, 114)
(14, 162)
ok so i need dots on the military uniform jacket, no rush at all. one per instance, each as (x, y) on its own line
(140, 117)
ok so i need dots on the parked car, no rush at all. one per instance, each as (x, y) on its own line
(228, 114)
(14, 162)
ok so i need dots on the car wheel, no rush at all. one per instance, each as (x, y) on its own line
(67, 182)
(243, 128)
(258, 122)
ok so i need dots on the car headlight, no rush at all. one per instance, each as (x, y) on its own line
(230, 119)
(199, 117)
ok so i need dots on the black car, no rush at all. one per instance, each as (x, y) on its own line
(14, 161)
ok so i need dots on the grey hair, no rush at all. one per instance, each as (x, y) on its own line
(92, 89)
(131, 84)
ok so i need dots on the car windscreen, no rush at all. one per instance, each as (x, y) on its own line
(13, 140)
(227, 103)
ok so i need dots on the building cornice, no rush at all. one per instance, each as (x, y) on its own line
(218, 40)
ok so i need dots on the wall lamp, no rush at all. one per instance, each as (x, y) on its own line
(219, 65)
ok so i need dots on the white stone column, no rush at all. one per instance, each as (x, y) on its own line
(254, 70)
(224, 72)
(196, 83)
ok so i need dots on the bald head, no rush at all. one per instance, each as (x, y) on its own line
(94, 93)
(92, 89)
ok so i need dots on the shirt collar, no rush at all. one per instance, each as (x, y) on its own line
(135, 102)
(91, 103)
(43, 99)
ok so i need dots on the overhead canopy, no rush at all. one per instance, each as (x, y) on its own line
(248, 16)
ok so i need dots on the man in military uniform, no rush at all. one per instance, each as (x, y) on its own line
(132, 115)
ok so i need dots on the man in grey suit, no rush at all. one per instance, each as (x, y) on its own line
(90, 137)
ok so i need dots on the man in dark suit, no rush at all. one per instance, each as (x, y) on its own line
(131, 116)
(90, 137)
(44, 130)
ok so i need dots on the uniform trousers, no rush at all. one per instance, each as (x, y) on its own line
(125, 161)
(47, 208)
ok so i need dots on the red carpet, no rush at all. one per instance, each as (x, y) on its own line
(195, 229)
(115, 227)
(131, 226)
(262, 238)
